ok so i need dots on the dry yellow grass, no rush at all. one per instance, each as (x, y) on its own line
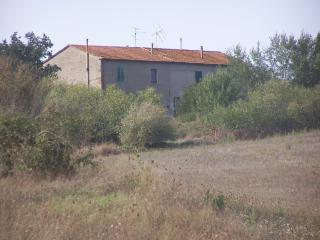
(162, 194)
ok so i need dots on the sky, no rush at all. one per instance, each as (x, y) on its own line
(216, 25)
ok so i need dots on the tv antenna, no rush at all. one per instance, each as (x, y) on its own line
(159, 34)
(136, 31)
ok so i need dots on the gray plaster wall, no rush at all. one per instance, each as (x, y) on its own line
(72, 62)
(173, 78)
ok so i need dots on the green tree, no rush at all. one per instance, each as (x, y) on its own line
(260, 70)
(32, 52)
(279, 55)
(295, 59)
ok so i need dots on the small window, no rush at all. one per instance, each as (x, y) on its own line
(120, 74)
(154, 76)
(198, 76)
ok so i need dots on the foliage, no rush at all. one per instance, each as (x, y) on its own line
(227, 85)
(187, 106)
(149, 95)
(50, 154)
(286, 57)
(273, 107)
(223, 88)
(17, 132)
(254, 66)
(304, 109)
(295, 59)
(21, 87)
(145, 124)
(84, 114)
(24, 147)
(32, 53)
(217, 202)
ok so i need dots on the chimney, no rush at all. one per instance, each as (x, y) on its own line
(151, 48)
(201, 51)
(180, 43)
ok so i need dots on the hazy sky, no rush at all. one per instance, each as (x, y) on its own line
(217, 25)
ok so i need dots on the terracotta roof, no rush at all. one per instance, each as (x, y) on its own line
(159, 54)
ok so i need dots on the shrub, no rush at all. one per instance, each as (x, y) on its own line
(149, 95)
(276, 106)
(22, 147)
(113, 107)
(22, 88)
(17, 133)
(145, 124)
(305, 108)
(50, 154)
(84, 114)
(187, 107)
(223, 88)
(217, 202)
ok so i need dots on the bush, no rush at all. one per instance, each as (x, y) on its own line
(17, 133)
(85, 114)
(22, 147)
(148, 95)
(50, 154)
(111, 109)
(22, 88)
(276, 106)
(145, 124)
(223, 88)
(305, 108)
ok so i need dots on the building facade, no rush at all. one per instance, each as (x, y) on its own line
(133, 69)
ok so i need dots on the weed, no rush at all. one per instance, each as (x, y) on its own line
(131, 181)
(288, 146)
(216, 202)
(250, 216)
(87, 202)
(227, 139)
(279, 212)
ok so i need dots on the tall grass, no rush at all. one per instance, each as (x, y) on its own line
(136, 205)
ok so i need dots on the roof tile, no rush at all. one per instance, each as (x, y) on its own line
(158, 55)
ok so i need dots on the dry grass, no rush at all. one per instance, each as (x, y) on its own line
(120, 197)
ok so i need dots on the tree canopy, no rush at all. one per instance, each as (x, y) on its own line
(32, 52)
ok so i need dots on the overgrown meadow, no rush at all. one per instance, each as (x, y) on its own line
(57, 182)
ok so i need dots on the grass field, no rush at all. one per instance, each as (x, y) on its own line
(261, 189)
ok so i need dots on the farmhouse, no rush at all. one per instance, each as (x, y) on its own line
(133, 69)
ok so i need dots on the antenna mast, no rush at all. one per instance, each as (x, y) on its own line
(159, 34)
(134, 35)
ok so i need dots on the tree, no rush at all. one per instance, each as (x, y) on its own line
(295, 59)
(315, 63)
(24, 81)
(33, 52)
(259, 66)
(279, 54)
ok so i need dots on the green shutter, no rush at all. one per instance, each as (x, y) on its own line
(198, 76)
(120, 74)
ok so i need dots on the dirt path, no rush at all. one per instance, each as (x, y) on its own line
(279, 169)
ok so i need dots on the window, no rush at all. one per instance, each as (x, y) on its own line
(154, 76)
(120, 74)
(198, 76)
